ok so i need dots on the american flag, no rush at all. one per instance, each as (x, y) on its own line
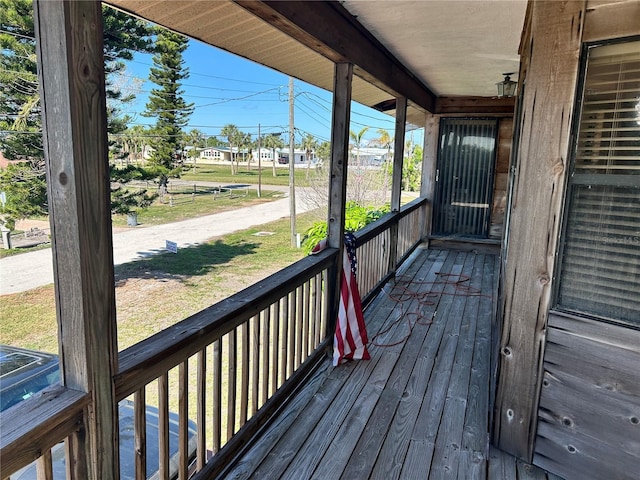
(350, 337)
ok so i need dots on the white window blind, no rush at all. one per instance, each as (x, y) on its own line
(600, 272)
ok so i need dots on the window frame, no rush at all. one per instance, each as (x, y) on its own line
(569, 185)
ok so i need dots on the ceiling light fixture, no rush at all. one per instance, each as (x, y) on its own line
(507, 87)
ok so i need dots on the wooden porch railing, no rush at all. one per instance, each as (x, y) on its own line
(384, 245)
(228, 368)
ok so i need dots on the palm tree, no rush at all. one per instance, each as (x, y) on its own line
(309, 144)
(357, 141)
(273, 141)
(197, 140)
(232, 133)
(385, 141)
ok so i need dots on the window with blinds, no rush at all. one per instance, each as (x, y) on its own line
(600, 270)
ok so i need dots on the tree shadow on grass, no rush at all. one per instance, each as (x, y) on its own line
(192, 261)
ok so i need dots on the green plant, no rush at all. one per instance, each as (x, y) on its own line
(356, 218)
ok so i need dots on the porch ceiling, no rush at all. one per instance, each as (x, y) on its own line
(455, 48)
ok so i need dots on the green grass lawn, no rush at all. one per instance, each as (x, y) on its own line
(222, 173)
(157, 292)
(185, 204)
(154, 293)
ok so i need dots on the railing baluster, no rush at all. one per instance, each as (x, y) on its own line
(306, 331)
(284, 340)
(274, 347)
(183, 419)
(231, 390)
(317, 314)
(217, 396)
(201, 409)
(44, 467)
(299, 325)
(140, 433)
(266, 324)
(291, 322)
(244, 384)
(255, 362)
(163, 426)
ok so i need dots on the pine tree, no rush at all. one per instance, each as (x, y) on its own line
(166, 103)
(19, 98)
(20, 122)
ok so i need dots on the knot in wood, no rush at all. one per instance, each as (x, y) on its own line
(558, 167)
(543, 279)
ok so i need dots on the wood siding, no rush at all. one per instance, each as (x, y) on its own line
(551, 54)
(589, 414)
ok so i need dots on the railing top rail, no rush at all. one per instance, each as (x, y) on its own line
(155, 355)
(375, 228)
(34, 426)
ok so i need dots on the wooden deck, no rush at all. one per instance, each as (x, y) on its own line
(419, 408)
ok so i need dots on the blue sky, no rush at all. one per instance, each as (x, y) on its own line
(226, 89)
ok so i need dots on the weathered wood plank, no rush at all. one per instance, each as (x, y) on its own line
(54, 414)
(140, 432)
(502, 466)
(183, 423)
(201, 395)
(553, 52)
(486, 106)
(283, 424)
(451, 432)
(376, 431)
(331, 31)
(163, 425)
(611, 19)
(74, 119)
(390, 459)
(216, 396)
(232, 359)
(244, 368)
(475, 442)
(427, 426)
(574, 410)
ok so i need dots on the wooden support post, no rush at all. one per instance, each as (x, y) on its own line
(396, 178)
(338, 182)
(429, 164)
(551, 54)
(71, 74)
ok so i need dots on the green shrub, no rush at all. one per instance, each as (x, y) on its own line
(356, 218)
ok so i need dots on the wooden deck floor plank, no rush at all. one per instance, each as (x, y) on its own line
(370, 442)
(352, 414)
(392, 455)
(450, 313)
(475, 442)
(450, 434)
(282, 424)
(501, 465)
(376, 404)
(304, 457)
(430, 415)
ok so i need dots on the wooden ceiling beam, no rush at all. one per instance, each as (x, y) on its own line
(329, 29)
(492, 106)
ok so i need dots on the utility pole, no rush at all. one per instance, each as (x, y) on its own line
(259, 166)
(292, 185)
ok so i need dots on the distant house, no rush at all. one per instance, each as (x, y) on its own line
(215, 154)
(371, 155)
(266, 154)
(299, 155)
